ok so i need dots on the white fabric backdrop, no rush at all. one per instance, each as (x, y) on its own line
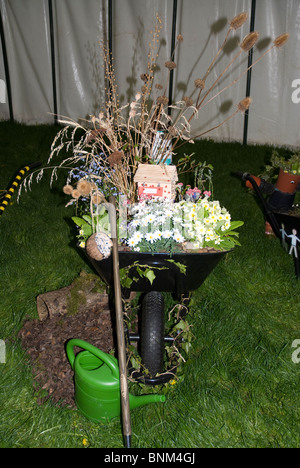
(79, 26)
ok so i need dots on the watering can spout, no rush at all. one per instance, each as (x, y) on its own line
(136, 401)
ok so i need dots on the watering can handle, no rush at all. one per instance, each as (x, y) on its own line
(106, 358)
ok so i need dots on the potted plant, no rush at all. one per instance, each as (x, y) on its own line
(285, 170)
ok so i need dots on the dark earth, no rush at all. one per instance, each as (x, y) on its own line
(45, 343)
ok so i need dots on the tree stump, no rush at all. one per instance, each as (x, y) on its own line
(85, 293)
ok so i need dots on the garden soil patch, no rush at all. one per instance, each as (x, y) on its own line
(45, 343)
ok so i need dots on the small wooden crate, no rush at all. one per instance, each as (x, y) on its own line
(155, 180)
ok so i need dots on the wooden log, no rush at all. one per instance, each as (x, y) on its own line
(78, 297)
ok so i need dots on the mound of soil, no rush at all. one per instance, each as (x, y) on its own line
(45, 343)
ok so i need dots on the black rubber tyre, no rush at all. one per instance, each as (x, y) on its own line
(152, 332)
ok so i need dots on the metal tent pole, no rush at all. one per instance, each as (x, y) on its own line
(54, 90)
(248, 85)
(172, 52)
(6, 69)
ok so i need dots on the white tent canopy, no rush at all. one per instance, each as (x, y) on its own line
(52, 60)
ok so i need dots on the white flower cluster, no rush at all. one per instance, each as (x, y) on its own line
(204, 223)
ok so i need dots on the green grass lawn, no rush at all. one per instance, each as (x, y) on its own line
(241, 387)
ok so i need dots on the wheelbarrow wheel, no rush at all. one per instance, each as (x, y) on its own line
(152, 332)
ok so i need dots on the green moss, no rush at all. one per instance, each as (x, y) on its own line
(85, 283)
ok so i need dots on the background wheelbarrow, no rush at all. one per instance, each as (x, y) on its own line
(169, 277)
(277, 207)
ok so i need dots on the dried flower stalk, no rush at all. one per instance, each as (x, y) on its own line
(116, 140)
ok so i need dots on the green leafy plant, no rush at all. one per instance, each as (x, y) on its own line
(87, 225)
(288, 162)
(161, 225)
(132, 273)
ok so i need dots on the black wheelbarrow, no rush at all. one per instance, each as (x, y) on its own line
(278, 210)
(169, 277)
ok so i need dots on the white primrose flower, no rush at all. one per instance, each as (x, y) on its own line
(213, 219)
(200, 229)
(218, 240)
(205, 204)
(178, 222)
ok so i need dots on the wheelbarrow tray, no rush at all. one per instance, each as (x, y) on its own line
(168, 276)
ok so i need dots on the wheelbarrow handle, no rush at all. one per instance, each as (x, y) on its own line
(245, 176)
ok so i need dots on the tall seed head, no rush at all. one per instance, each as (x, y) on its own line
(170, 65)
(199, 83)
(249, 41)
(281, 40)
(238, 20)
(244, 104)
(84, 187)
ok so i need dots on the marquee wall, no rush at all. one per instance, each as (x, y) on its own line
(71, 83)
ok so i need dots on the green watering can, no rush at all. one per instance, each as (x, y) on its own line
(97, 383)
